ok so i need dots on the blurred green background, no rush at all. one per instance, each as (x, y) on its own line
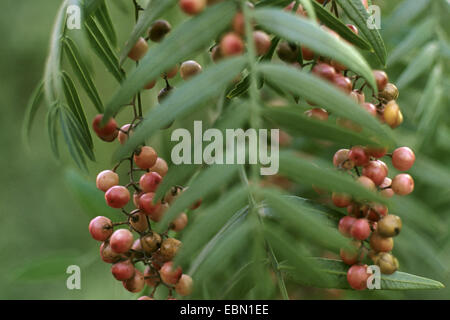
(43, 225)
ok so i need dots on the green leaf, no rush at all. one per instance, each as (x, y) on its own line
(184, 100)
(91, 199)
(356, 11)
(103, 49)
(104, 19)
(207, 182)
(337, 271)
(296, 123)
(32, 108)
(319, 173)
(431, 172)
(51, 122)
(68, 134)
(434, 80)
(176, 175)
(154, 10)
(430, 120)
(83, 74)
(328, 19)
(404, 13)
(423, 62)
(183, 42)
(415, 39)
(327, 96)
(300, 30)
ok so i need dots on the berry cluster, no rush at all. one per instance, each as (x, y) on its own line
(119, 247)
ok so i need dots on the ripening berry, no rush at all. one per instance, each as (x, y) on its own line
(403, 184)
(189, 69)
(357, 277)
(107, 254)
(358, 211)
(180, 223)
(370, 108)
(341, 200)
(136, 283)
(359, 97)
(169, 275)
(124, 133)
(338, 66)
(353, 28)
(184, 285)
(216, 55)
(351, 254)
(145, 298)
(389, 226)
(392, 114)
(345, 225)
(381, 244)
(376, 152)
(390, 92)
(136, 197)
(387, 262)
(157, 261)
(107, 179)
(381, 78)
(150, 181)
(359, 156)
(136, 251)
(150, 85)
(164, 93)
(231, 45)
(388, 193)
(192, 7)
(108, 132)
(159, 30)
(360, 229)
(169, 248)
(324, 71)
(121, 241)
(307, 53)
(151, 276)
(317, 113)
(341, 160)
(262, 42)
(123, 270)
(151, 242)
(365, 4)
(117, 197)
(377, 211)
(287, 52)
(366, 182)
(160, 167)
(238, 23)
(375, 171)
(349, 124)
(146, 203)
(171, 73)
(173, 194)
(343, 83)
(100, 228)
(145, 158)
(157, 214)
(403, 158)
(139, 222)
(386, 183)
(139, 50)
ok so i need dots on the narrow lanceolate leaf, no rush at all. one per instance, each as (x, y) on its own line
(301, 30)
(337, 271)
(295, 122)
(52, 129)
(33, 106)
(181, 43)
(177, 175)
(91, 6)
(237, 219)
(416, 38)
(209, 222)
(103, 49)
(431, 172)
(403, 14)
(154, 10)
(82, 73)
(207, 182)
(303, 171)
(359, 15)
(104, 19)
(70, 139)
(430, 119)
(328, 19)
(184, 100)
(327, 96)
(91, 200)
(423, 62)
(434, 80)
(310, 8)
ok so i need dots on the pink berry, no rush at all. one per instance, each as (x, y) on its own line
(403, 184)
(366, 182)
(117, 197)
(169, 275)
(107, 179)
(150, 181)
(123, 270)
(146, 203)
(357, 277)
(341, 200)
(100, 228)
(375, 171)
(121, 241)
(360, 229)
(359, 156)
(136, 283)
(231, 45)
(403, 158)
(345, 225)
(192, 7)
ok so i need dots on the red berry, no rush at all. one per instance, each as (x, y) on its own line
(231, 45)
(262, 42)
(403, 184)
(376, 152)
(169, 275)
(192, 7)
(357, 277)
(123, 270)
(381, 78)
(353, 28)
(150, 85)
(150, 181)
(145, 298)
(360, 229)
(239, 23)
(117, 197)
(106, 180)
(375, 171)
(307, 53)
(350, 255)
(345, 225)
(341, 160)
(146, 158)
(108, 132)
(343, 83)
(359, 156)
(341, 200)
(370, 108)
(124, 133)
(152, 278)
(366, 182)
(146, 203)
(136, 283)
(180, 223)
(184, 285)
(100, 228)
(324, 71)
(121, 241)
(403, 158)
